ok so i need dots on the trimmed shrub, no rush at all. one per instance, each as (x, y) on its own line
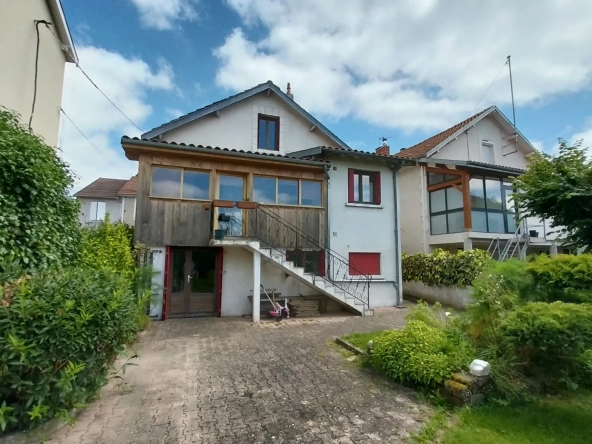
(444, 269)
(38, 217)
(551, 341)
(563, 277)
(59, 333)
(419, 355)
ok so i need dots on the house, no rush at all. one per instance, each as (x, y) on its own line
(116, 197)
(36, 46)
(458, 195)
(254, 191)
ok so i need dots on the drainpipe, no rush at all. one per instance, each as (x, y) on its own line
(398, 267)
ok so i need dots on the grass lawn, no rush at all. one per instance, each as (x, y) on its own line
(360, 340)
(550, 420)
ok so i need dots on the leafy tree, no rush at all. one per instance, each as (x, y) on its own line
(559, 188)
(38, 218)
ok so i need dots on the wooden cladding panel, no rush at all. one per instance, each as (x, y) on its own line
(174, 223)
(278, 234)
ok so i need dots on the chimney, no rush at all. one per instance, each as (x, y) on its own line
(289, 92)
(383, 150)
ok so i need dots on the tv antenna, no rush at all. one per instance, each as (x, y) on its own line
(382, 140)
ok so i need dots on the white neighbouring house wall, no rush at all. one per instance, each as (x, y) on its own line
(112, 206)
(237, 127)
(468, 145)
(365, 229)
(17, 74)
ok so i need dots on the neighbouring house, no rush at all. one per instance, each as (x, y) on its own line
(36, 45)
(116, 197)
(274, 207)
(458, 196)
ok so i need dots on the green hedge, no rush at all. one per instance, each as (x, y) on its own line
(59, 333)
(552, 342)
(563, 277)
(444, 269)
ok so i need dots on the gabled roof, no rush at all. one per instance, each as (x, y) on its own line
(424, 147)
(129, 143)
(221, 104)
(61, 25)
(102, 188)
(130, 188)
(427, 147)
(318, 150)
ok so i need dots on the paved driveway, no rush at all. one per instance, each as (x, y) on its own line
(230, 381)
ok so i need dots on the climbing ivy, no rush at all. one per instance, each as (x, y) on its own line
(38, 218)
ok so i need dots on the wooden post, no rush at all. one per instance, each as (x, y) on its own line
(466, 193)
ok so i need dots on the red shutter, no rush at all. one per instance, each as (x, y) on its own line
(167, 282)
(364, 263)
(321, 270)
(350, 185)
(219, 272)
(376, 187)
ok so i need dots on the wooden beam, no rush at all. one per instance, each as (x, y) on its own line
(444, 170)
(450, 183)
(268, 92)
(466, 201)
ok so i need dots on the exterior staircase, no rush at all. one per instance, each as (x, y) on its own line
(271, 236)
(516, 247)
(317, 283)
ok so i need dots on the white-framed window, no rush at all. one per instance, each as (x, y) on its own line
(97, 211)
(487, 152)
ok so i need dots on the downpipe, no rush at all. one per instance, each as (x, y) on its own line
(398, 275)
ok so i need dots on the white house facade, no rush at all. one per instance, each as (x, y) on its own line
(330, 212)
(458, 196)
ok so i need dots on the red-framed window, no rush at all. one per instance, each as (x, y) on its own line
(363, 187)
(364, 263)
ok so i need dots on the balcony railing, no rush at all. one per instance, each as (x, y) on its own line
(254, 221)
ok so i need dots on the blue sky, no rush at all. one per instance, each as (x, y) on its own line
(401, 69)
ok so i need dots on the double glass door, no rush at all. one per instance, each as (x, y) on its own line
(193, 282)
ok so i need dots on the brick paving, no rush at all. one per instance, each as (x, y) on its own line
(230, 381)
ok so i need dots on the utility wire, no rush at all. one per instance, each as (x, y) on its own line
(489, 87)
(67, 49)
(80, 131)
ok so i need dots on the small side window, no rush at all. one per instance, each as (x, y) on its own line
(487, 152)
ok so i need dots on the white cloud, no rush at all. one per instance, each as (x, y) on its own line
(173, 113)
(126, 81)
(585, 134)
(164, 14)
(538, 144)
(410, 64)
